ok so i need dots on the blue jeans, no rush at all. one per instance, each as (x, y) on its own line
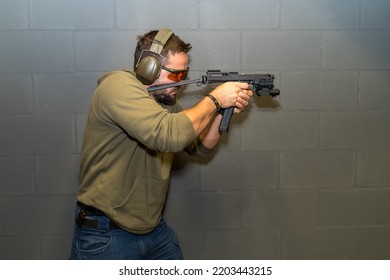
(107, 243)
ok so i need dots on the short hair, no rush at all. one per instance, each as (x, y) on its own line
(173, 45)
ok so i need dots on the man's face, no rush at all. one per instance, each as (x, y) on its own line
(178, 61)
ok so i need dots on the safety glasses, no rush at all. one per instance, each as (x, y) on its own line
(176, 75)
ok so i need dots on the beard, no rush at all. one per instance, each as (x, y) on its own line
(164, 97)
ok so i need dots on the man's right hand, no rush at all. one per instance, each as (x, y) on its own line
(233, 94)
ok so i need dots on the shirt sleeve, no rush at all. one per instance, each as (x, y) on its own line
(197, 149)
(122, 101)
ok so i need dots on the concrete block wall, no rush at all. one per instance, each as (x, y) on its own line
(302, 176)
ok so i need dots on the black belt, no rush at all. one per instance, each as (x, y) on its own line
(85, 210)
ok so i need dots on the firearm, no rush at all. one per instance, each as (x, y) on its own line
(262, 84)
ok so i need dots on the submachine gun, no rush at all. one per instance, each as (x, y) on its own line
(262, 84)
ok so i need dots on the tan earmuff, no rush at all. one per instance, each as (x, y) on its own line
(149, 64)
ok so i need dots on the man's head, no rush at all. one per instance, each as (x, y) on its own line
(161, 58)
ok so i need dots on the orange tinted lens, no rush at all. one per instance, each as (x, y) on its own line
(178, 76)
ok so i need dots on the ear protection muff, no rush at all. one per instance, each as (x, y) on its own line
(149, 64)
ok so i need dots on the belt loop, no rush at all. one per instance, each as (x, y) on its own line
(103, 222)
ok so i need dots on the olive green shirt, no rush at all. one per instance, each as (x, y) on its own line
(129, 143)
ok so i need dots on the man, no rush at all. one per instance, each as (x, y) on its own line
(129, 142)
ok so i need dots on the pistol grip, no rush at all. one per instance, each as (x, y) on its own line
(226, 117)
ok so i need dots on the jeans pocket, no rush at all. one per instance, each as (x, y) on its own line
(93, 241)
